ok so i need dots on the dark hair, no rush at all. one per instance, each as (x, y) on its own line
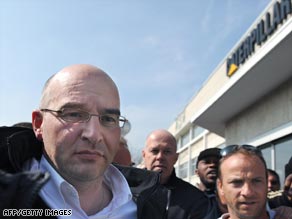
(274, 173)
(288, 168)
(23, 124)
(209, 152)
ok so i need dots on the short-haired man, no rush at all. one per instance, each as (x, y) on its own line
(242, 184)
(273, 181)
(207, 170)
(184, 200)
(77, 130)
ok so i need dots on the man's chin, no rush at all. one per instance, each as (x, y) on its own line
(158, 169)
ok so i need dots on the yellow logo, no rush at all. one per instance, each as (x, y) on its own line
(233, 68)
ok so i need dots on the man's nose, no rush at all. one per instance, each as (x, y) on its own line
(212, 164)
(93, 130)
(160, 155)
(247, 189)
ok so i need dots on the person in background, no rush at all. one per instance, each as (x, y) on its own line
(23, 124)
(184, 200)
(243, 186)
(207, 170)
(273, 181)
(65, 161)
(123, 156)
(288, 168)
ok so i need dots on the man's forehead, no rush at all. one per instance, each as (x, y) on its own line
(161, 146)
(91, 82)
(243, 163)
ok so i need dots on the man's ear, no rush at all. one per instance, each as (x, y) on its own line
(177, 154)
(37, 120)
(220, 191)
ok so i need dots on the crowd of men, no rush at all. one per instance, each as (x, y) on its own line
(68, 159)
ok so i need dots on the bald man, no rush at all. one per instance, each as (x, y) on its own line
(75, 137)
(184, 200)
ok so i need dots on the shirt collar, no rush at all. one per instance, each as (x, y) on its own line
(64, 195)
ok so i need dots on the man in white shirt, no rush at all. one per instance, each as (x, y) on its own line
(79, 125)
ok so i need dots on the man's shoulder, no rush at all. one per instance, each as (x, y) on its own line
(182, 184)
(136, 176)
(20, 189)
(22, 146)
(283, 212)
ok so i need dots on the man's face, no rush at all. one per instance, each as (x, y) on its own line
(160, 155)
(207, 171)
(243, 186)
(273, 183)
(80, 151)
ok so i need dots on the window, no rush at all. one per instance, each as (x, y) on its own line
(283, 152)
(183, 170)
(196, 131)
(185, 139)
(267, 154)
(193, 165)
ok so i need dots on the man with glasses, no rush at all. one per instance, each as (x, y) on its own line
(66, 163)
(242, 184)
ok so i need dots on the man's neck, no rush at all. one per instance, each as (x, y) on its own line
(201, 186)
(94, 198)
(205, 188)
(264, 215)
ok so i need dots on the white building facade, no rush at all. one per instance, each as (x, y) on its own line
(247, 99)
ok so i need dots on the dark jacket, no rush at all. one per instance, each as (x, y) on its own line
(19, 189)
(185, 201)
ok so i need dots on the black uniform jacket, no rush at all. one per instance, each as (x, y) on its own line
(19, 189)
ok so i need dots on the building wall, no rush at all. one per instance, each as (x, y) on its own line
(274, 110)
(185, 167)
(261, 120)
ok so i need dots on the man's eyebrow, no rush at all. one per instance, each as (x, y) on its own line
(112, 111)
(72, 105)
(81, 106)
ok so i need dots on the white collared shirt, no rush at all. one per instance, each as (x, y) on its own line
(59, 194)
(271, 213)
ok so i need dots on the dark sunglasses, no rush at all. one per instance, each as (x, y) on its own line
(233, 148)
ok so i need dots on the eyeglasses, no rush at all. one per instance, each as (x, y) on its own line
(78, 116)
(233, 148)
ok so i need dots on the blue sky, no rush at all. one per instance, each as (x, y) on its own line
(159, 52)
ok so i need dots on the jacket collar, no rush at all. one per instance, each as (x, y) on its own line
(18, 145)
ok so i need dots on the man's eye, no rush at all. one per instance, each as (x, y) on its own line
(73, 114)
(167, 152)
(154, 151)
(257, 181)
(108, 119)
(237, 183)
